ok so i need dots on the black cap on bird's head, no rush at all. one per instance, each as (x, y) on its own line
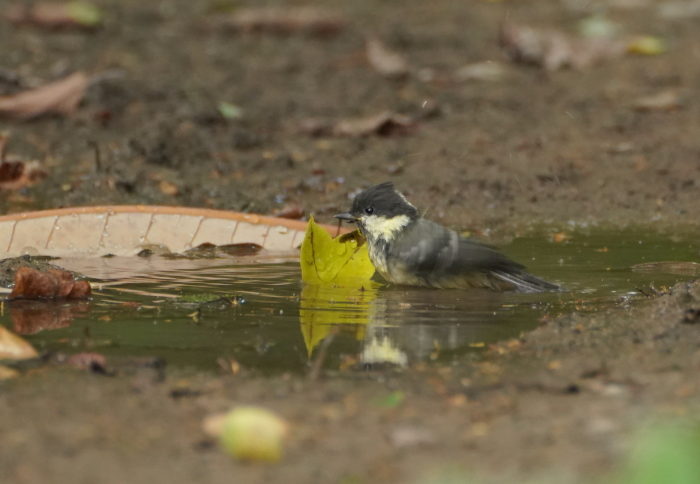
(382, 201)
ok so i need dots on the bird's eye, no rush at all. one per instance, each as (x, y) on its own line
(369, 210)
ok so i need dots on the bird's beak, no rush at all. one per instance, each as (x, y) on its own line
(347, 216)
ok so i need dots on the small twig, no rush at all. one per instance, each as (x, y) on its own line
(3, 146)
(98, 155)
(317, 364)
(337, 230)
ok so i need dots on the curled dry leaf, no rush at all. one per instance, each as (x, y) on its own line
(554, 50)
(59, 97)
(385, 61)
(382, 124)
(661, 101)
(12, 347)
(291, 210)
(279, 20)
(15, 174)
(52, 284)
(18, 174)
(52, 15)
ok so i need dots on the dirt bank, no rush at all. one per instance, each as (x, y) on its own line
(534, 146)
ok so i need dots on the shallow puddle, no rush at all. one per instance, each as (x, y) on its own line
(254, 310)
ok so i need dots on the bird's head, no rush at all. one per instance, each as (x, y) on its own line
(380, 212)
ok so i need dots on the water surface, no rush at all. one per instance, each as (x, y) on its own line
(260, 314)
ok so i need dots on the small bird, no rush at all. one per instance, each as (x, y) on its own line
(407, 249)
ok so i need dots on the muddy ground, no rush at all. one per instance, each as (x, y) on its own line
(533, 148)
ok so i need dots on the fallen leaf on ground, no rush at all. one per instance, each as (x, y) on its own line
(52, 284)
(487, 71)
(382, 124)
(168, 188)
(249, 433)
(52, 15)
(554, 50)
(32, 316)
(12, 347)
(291, 210)
(58, 97)
(341, 260)
(385, 61)
(18, 174)
(15, 174)
(279, 20)
(646, 45)
(661, 101)
(407, 436)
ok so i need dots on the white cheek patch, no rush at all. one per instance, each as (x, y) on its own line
(382, 227)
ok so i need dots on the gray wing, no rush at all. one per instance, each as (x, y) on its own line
(442, 258)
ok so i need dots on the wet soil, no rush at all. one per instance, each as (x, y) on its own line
(535, 148)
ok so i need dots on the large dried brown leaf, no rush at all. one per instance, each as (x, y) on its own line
(12, 347)
(289, 20)
(382, 124)
(59, 97)
(554, 50)
(385, 61)
(52, 284)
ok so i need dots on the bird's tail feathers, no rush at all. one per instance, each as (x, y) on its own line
(526, 282)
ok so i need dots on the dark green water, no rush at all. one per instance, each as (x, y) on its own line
(143, 307)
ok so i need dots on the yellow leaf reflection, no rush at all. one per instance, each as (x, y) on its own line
(323, 308)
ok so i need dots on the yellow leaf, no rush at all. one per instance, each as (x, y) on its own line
(341, 261)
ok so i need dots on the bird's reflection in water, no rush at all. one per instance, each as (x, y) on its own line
(401, 326)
